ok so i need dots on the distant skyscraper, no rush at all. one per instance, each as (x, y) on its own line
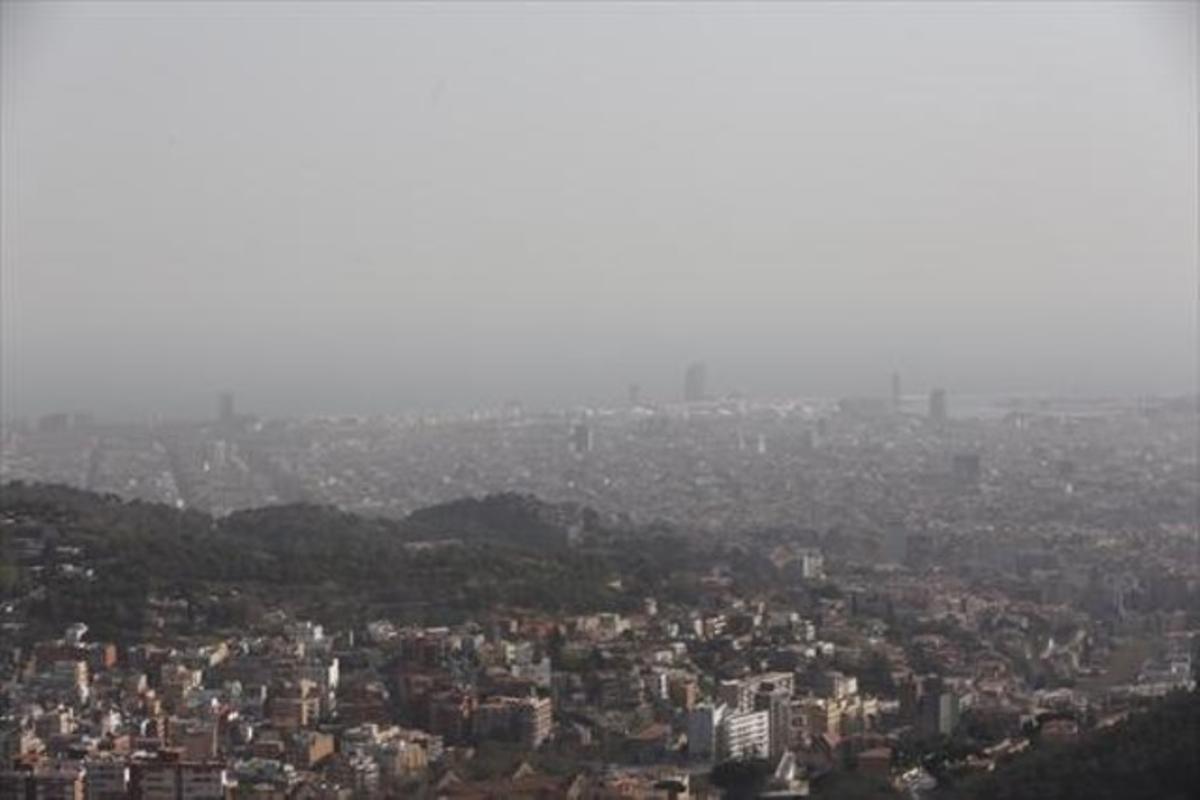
(581, 438)
(513, 409)
(967, 467)
(693, 382)
(635, 395)
(703, 731)
(938, 709)
(937, 405)
(225, 412)
(895, 543)
(896, 395)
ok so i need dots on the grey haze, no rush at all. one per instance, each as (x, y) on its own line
(377, 207)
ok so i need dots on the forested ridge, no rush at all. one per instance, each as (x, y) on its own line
(1153, 755)
(447, 560)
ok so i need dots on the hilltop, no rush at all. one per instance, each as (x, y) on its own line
(440, 562)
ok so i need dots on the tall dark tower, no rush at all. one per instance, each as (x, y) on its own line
(693, 382)
(225, 413)
(937, 406)
(581, 438)
(897, 397)
(635, 395)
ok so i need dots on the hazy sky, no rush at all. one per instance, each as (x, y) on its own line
(389, 206)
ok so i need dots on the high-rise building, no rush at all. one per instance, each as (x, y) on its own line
(937, 406)
(635, 395)
(897, 396)
(694, 380)
(937, 709)
(823, 716)
(739, 693)
(535, 719)
(967, 468)
(203, 781)
(106, 778)
(778, 705)
(581, 438)
(812, 565)
(745, 734)
(895, 543)
(836, 685)
(526, 720)
(225, 410)
(169, 778)
(58, 782)
(703, 723)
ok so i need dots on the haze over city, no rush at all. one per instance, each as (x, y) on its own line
(599, 400)
(379, 207)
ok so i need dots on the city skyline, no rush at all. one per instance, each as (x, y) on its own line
(599, 400)
(492, 206)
